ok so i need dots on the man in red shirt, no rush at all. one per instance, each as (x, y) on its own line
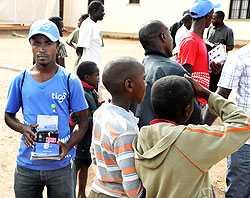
(193, 52)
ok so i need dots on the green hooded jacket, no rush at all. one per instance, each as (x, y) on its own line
(173, 161)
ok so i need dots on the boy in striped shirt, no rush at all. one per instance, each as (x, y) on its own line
(114, 129)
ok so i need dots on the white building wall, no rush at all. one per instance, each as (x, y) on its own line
(240, 27)
(72, 10)
(27, 11)
(123, 18)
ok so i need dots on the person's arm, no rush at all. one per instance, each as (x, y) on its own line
(229, 40)
(209, 118)
(188, 67)
(79, 51)
(71, 44)
(200, 91)
(71, 40)
(77, 135)
(215, 142)
(27, 130)
(79, 106)
(125, 159)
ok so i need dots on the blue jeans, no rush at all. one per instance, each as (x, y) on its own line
(238, 173)
(60, 183)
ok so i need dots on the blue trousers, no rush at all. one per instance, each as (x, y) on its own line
(238, 173)
(60, 183)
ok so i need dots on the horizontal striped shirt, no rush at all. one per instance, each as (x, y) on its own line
(114, 129)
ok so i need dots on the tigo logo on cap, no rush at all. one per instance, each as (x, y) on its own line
(46, 28)
(201, 7)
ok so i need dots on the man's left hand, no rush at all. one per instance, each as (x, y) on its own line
(63, 150)
(216, 67)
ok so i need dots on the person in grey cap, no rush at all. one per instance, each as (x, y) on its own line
(192, 53)
(46, 92)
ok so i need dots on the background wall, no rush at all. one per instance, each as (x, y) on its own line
(27, 11)
(72, 10)
(121, 18)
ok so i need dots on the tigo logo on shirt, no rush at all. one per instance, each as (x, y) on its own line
(59, 97)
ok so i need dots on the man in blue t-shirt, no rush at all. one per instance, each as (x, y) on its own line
(46, 92)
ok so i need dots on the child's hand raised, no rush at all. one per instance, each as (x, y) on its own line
(199, 91)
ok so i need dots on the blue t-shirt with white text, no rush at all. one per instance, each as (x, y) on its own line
(49, 98)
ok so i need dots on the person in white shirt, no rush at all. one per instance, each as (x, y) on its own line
(187, 23)
(90, 41)
(182, 31)
(235, 76)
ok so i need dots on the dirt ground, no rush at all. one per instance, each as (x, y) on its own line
(15, 51)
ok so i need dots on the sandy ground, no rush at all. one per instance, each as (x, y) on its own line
(15, 51)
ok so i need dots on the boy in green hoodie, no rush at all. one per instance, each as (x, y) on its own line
(172, 159)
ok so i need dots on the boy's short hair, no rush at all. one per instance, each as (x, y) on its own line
(56, 20)
(186, 18)
(117, 71)
(86, 68)
(149, 32)
(94, 6)
(169, 94)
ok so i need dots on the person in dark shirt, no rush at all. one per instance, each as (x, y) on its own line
(173, 29)
(88, 73)
(157, 42)
(217, 34)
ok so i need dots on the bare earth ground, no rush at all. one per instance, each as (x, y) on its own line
(15, 51)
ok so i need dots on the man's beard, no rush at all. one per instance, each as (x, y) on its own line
(43, 64)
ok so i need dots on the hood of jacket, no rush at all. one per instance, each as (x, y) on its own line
(154, 142)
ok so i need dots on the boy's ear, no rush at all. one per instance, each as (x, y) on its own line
(85, 77)
(186, 112)
(128, 85)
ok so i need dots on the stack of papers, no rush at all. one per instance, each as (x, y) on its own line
(46, 151)
(218, 54)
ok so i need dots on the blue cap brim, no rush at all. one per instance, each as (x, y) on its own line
(50, 37)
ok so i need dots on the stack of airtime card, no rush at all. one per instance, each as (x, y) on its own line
(46, 146)
(218, 54)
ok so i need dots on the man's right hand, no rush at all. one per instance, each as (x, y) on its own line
(29, 135)
(200, 91)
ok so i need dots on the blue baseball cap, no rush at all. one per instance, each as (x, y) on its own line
(201, 7)
(46, 28)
